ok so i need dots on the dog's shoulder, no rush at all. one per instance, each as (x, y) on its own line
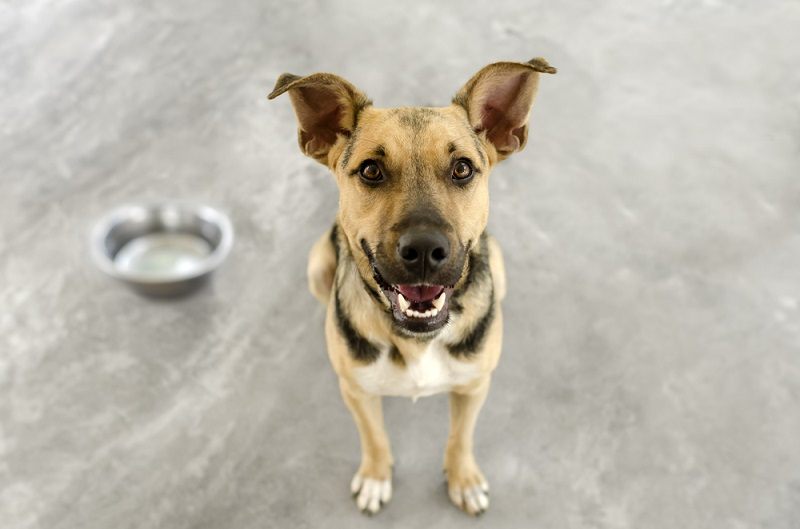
(321, 269)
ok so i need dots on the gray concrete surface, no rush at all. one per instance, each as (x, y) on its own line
(651, 377)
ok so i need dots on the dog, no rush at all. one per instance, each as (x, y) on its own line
(410, 278)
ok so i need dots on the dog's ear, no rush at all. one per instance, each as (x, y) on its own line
(498, 100)
(326, 106)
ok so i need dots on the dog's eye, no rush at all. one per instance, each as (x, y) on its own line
(370, 172)
(462, 171)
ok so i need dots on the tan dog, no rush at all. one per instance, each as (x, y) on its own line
(411, 280)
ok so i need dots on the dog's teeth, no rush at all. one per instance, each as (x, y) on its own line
(404, 304)
(416, 314)
(439, 302)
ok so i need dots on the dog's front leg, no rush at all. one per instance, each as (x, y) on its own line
(466, 485)
(372, 484)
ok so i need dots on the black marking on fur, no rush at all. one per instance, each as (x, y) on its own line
(478, 269)
(358, 105)
(396, 357)
(451, 148)
(365, 248)
(372, 292)
(473, 341)
(461, 100)
(362, 349)
(348, 149)
(416, 118)
(334, 238)
(417, 164)
(399, 330)
(379, 151)
(479, 148)
(375, 276)
(371, 258)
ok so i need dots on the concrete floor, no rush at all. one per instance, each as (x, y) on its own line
(651, 374)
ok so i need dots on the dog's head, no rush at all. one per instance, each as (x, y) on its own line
(414, 182)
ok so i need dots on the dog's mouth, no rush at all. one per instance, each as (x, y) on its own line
(417, 308)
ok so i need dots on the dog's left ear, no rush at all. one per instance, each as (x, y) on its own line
(498, 100)
(326, 107)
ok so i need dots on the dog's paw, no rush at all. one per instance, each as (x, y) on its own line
(370, 493)
(468, 490)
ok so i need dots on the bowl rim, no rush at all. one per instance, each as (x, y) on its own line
(120, 213)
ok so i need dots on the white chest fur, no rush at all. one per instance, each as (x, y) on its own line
(435, 371)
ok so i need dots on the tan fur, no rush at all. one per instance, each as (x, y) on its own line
(339, 127)
(321, 269)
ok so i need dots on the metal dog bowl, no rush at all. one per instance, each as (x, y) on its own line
(163, 249)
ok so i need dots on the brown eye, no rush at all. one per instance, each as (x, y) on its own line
(370, 172)
(462, 171)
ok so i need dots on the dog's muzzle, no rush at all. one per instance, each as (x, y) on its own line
(419, 281)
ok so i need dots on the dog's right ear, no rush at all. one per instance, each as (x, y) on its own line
(326, 106)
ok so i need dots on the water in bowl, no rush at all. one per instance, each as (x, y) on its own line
(163, 255)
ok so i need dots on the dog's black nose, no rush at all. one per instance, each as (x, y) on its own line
(422, 249)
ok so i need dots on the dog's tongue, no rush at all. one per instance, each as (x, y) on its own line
(420, 293)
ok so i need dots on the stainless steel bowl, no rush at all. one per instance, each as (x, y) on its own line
(162, 249)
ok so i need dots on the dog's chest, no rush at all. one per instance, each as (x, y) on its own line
(435, 371)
